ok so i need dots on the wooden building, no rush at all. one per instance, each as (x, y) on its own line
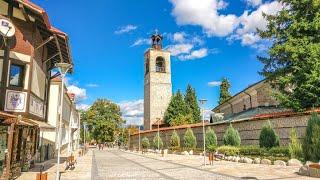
(26, 61)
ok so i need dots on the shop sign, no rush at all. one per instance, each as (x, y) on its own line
(36, 107)
(15, 101)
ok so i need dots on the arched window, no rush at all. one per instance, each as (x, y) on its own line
(160, 64)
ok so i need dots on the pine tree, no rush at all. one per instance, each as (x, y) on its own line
(175, 140)
(224, 90)
(311, 144)
(231, 137)
(191, 101)
(211, 139)
(176, 107)
(190, 141)
(293, 62)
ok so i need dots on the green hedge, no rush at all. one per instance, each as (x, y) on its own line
(228, 150)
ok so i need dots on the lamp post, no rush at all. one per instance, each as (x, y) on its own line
(202, 102)
(139, 138)
(158, 120)
(63, 69)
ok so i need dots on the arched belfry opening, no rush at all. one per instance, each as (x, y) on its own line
(156, 41)
(160, 64)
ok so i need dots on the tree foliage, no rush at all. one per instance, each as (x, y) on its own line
(295, 147)
(190, 141)
(311, 144)
(176, 108)
(293, 62)
(268, 137)
(191, 101)
(175, 140)
(157, 139)
(182, 119)
(104, 120)
(231, 137)
(145, 143)
(224, 91)
(211, 139)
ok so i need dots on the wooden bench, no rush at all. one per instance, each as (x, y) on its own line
(71, 162)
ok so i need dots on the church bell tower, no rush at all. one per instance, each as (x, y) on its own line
(157, 83)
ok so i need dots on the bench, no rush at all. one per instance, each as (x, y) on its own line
(71, 162)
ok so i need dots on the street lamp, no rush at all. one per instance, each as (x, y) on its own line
(202, 102)
(63, 69)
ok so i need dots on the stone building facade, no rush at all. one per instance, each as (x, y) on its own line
(157, 83)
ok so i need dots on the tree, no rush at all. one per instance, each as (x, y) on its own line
(311, 144)
(104, 120)
(190, 141)
(293, 63)
(268, 137)
(231, 137)
(224, 91)
(175, 140)
(182, 119)
(145, 143)
(295, 147)
(211, 139)
(157, 139)
(191, 101)
(176, 107)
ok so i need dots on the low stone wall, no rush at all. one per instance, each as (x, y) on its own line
(249, 131)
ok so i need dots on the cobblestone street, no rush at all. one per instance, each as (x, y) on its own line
(114, 164)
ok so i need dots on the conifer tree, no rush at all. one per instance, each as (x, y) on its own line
(293, 62)
(176, 107)
(224, 90)
(191, 101)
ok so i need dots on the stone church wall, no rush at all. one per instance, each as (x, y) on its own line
(249, 131)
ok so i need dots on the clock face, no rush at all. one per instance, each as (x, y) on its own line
(7, 29)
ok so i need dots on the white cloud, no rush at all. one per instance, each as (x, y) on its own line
(80, 93)
(179, 37)
(132, 111)
(254, 2)
(196, 54)
(83, 107)
(204, 13)
(214, 83)
(126, 29)
(179, 49)
(255, 20)
(141, 41)
(92, 85)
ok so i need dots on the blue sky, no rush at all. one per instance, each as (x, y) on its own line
(209, 39)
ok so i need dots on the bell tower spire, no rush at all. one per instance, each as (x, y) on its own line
(156, 40)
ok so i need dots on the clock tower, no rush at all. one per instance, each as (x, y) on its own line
(157, 83)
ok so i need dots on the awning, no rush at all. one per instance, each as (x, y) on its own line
(43, 125)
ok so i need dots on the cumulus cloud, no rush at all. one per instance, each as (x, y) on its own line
(196, 54)
(179, 37)
(205, 14)
(179, 49)
(254, 2)
(141, 41)
(132, 111)
(80, 93)
(126, 29)
(214, 83)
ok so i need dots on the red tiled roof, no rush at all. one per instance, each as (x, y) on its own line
(44, 14)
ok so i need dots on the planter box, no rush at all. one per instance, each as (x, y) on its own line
(314, 170)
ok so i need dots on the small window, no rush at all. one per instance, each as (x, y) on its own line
(16, 75)
(160, 65)
(147, 66)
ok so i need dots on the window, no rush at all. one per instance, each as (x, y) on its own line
(147, 66)
(160, 65)
(16, 75)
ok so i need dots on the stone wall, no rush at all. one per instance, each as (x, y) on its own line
(249, 131)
